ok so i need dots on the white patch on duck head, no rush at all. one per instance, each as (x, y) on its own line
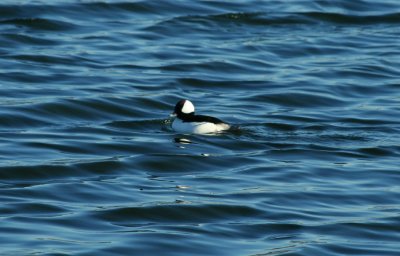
(188, 107)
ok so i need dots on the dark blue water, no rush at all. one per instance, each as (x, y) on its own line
(90, 166)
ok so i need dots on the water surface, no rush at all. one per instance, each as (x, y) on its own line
(90, 166)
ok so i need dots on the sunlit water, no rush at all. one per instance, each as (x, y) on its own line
(90, 166)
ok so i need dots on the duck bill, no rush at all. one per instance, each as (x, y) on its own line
(172, 114)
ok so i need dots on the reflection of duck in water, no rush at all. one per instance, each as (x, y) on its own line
(182, 140)
(188, 122)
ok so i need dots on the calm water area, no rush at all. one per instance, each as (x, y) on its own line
(89, 164)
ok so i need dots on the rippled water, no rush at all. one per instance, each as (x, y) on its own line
(90, 166)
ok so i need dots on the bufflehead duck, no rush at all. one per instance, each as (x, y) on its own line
(187, 122)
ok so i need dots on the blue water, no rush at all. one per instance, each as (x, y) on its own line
(90, 166)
